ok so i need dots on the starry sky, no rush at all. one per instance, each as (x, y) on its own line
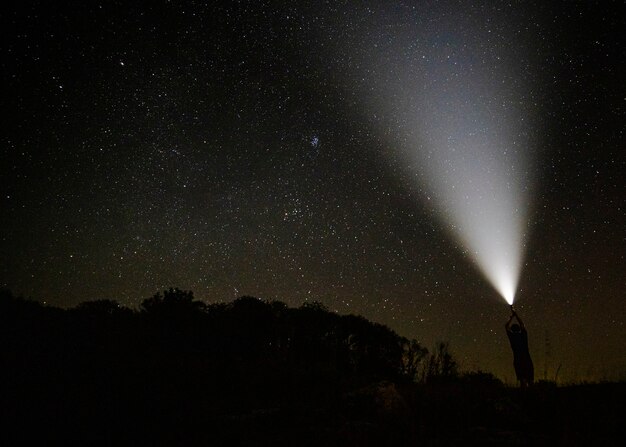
(258, 148)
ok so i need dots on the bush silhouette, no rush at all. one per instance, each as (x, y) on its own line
(178, 371)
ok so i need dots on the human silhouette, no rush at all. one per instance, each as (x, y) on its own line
(518, 337)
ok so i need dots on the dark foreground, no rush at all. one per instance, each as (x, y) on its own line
(177, 413)
(255, 373)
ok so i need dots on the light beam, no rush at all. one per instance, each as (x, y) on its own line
(454, 96)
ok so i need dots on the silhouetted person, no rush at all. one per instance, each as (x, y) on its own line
(522, 362)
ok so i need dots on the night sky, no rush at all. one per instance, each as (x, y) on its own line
(256, 148)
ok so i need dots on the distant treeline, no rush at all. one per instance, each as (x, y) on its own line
(243, 338)
(177, 371)
(177, 360)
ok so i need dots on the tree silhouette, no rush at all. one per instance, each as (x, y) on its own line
(171, 300)
(247, 372)
(441, 365)
(413, 355)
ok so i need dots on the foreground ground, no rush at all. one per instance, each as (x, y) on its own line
(254, 373)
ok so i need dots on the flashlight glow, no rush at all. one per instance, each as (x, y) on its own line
(473, 164)
(460, 113)
(484, 212)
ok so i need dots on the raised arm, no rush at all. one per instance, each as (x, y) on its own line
(519, 320)
(507, 326)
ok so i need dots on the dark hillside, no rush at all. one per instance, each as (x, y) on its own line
(250, 372)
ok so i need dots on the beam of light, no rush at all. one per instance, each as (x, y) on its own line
(470, 161)
(457, 102)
